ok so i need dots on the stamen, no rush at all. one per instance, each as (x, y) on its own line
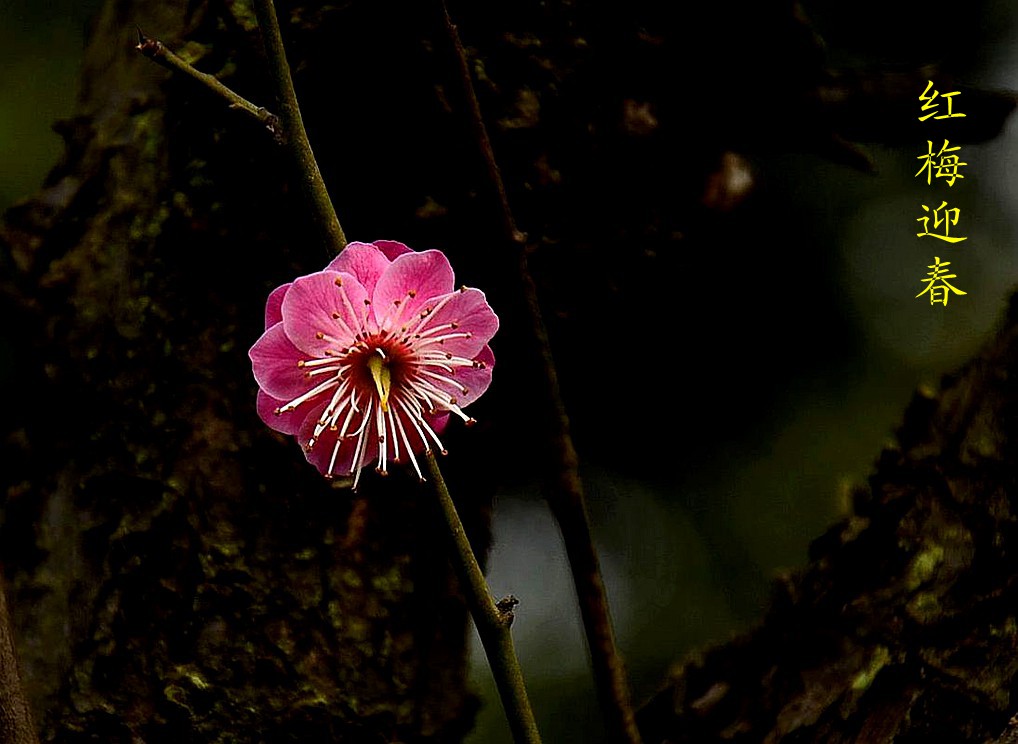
(329, 417)
(428, 392)
(454, 383)
(429, 356)
(395, 439)
(414, 401)
(438, 442)
(341, 322)
(317, 362)
(323, 371)
(413, 420)
(358, 455)
(392, 317)
(346, 421)
(332, 460)
(421, 395)
(331, 411)
(382, 443)
(418, 421)
(321, 388)
(409, 449)
(441, 363)
(438, 329)
(349, 309)
(442, 339)
(423, 319)
(327, 337)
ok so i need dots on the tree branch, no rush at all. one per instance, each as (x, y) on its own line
(492, 620)
(310, 176)
(566, 498)
(156, 51)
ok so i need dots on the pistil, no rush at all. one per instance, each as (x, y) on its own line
(380, 373)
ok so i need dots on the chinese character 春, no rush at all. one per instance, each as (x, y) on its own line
(937, 285)
(929, 103)
(946, 166)
(944, 218)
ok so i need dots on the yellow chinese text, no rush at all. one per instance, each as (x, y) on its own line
(941, 164)
(930, 102)
(942, 218)
(937, 285)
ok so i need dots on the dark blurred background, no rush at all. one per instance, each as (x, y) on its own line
(825, 367)
(40, 50)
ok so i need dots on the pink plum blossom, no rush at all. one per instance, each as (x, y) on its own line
(366, 360)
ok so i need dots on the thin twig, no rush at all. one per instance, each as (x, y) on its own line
(481, 133)
(492, 620)
(158, 53)
(566, 498)
(297, 142)
(15, 717)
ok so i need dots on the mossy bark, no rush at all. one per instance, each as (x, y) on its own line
(904, 626)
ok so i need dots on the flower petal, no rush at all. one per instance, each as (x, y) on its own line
(475, 379)
(273, 306)
(287, 423)
(410, 283)
(470, 313)
(391, 248)
(437, 423)
(274, 363)
(365, 261)
(322, 312)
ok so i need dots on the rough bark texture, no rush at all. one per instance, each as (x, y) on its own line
(16, 726)
(903, 628)
(178, 573)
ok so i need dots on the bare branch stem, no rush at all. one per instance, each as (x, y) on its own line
(156, 51)
(565, 497)
(481, 132)
(310, 176)
(492, 620)
(287, 127)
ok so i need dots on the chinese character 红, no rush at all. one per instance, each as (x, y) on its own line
(929, 103)
(937, 285)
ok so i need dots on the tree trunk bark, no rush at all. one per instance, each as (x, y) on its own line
(903, 627)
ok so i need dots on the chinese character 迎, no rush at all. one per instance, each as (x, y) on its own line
(937, 285)
(946, 165)
(947, 218)
(929, 103)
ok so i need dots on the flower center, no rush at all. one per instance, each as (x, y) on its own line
(378, 365)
